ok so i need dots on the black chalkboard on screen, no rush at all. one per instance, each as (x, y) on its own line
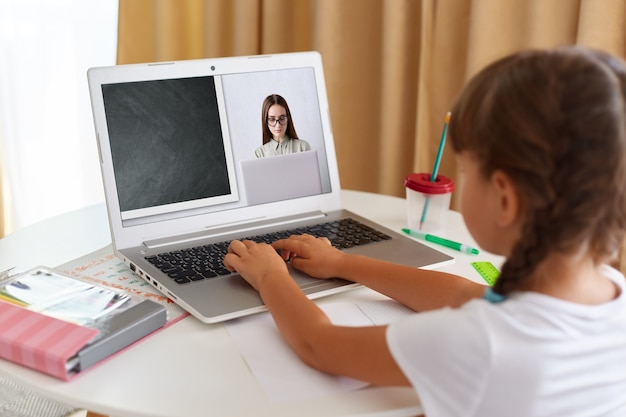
(166, 141)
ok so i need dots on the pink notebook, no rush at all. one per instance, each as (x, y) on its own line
(61, 325)
(41, 342)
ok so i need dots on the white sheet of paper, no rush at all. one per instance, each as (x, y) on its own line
(281, 374)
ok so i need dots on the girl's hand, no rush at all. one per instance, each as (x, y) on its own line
(254, 261)
(311, 255)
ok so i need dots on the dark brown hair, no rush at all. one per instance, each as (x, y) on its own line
(269, 101)
(554, 121)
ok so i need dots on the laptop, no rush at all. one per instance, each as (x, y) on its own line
(173, 139)
(296, 175)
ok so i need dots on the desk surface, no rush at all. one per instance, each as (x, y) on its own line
(191, 368)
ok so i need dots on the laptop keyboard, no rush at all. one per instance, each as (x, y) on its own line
(205, 262)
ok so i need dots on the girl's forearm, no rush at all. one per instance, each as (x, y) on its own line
(320, 344)
(291, 308)
(418, 289)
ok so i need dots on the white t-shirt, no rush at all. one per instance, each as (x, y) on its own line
(530, 355)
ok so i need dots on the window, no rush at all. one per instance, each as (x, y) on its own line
(46, 130)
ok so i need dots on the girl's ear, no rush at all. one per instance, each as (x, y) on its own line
(508, 202)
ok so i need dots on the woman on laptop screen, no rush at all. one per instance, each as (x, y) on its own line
(540, 139)
(279, 133)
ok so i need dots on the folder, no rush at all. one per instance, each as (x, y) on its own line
(62, 327)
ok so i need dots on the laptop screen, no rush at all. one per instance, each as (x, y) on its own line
(183, 146)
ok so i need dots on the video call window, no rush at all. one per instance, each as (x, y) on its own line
(180, 146)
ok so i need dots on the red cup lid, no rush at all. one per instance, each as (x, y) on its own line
(422, 183)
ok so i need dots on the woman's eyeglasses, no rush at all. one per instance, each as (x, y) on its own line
(273, 120)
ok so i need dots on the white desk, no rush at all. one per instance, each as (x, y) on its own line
(194, 369)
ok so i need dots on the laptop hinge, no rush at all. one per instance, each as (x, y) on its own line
(215, 231)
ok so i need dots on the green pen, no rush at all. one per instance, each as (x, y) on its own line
(441, 241)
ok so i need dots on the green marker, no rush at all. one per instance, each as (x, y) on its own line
(441, 241)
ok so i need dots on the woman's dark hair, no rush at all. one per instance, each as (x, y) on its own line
(269, 101)
(553, 121)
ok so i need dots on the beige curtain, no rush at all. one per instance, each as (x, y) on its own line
(392, 67)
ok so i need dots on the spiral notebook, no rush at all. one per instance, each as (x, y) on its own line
(173, 137)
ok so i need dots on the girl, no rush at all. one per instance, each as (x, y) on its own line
(540, 139)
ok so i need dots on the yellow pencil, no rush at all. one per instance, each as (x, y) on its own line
(12, 300)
